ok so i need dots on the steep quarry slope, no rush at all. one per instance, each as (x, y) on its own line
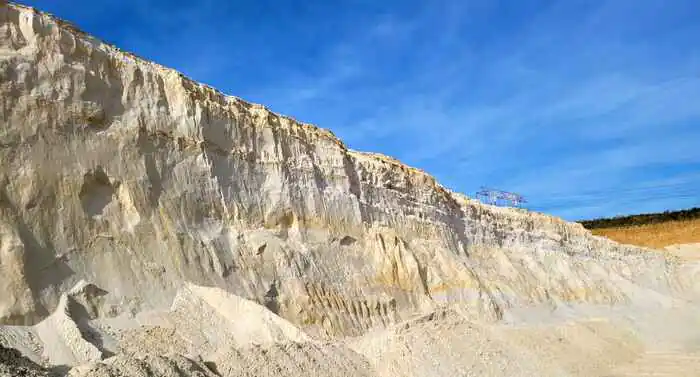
(127, 175)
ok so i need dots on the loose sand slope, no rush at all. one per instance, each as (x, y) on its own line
(236, 337)
(587, 342)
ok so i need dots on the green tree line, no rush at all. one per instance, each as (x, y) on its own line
(643, 219)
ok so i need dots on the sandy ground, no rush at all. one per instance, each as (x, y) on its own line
(209, 332)
(689, 252)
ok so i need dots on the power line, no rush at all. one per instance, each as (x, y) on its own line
(618, 195)
(623, 190)
(616, 200)
(622, 195)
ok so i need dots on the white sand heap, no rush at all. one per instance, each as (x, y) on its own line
(144, 365)
(204, 320)
(213, 318)
(293, 359)
(209, 332)
(65, 337)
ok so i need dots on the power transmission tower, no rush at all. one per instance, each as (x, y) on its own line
(500, 198)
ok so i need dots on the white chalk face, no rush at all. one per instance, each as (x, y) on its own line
(150, 225)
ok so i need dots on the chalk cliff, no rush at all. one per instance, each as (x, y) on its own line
(128, 175)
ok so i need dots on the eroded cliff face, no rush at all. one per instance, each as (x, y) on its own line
(128, 175)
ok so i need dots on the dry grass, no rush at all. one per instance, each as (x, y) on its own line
(654, 235)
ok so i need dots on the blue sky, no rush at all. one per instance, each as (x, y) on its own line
(587, 108)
